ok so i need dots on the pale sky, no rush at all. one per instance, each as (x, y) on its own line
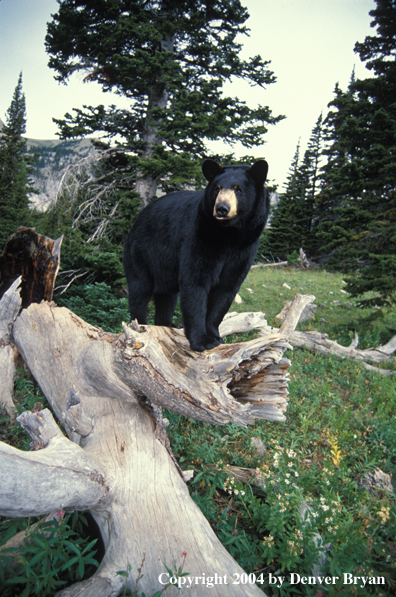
(309, 43)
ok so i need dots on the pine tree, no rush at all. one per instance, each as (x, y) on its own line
(293, 220)
(338, 178)
(14, 188)
(361, 188)
(286, 231)
(310, 173)
(171, 60)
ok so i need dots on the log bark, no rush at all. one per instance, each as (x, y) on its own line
(106, 390)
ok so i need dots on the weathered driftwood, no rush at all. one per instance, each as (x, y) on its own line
(318, 342)
(106, 389)
(306, 315)
(9, 309)
(303, 259)
(278, 264)
(238, 382)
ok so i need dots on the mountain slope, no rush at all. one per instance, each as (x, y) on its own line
(52, 159)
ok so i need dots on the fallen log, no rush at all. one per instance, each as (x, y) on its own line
(318, 342)
(304, 262)
(278, 264)
(106, 390)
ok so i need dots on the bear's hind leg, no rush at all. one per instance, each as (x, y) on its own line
(164, 308)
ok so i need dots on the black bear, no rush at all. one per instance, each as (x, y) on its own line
(200, 244)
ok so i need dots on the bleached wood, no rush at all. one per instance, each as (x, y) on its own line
(147, 508)
(389, 372)
(162, 367)
(60, 476)
(106, 390)
(10, 305)
(299, 303)
(307, 314)
(388, 348)
(320, 343)
(235, 323)
(279, 264)
(7, 372)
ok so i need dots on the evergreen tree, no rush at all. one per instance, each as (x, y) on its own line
(285, 231)
(14, 189)
(171, 60)
(293, 222)
(310, 174)
(339, 178)
(360, 177)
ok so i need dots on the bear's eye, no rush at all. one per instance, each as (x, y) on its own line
(218, 189)
(237, 188)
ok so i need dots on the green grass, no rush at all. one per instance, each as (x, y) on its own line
(340, 425)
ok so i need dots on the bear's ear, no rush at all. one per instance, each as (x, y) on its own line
(211, 169)
(259, 171)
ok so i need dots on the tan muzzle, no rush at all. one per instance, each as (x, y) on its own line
(226, 205)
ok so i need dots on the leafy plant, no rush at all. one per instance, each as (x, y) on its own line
(52, 557)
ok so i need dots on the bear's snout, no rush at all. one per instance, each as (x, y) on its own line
(226, 205)
(222, 210)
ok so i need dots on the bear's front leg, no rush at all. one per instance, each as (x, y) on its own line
(193, 303)
(219, 302)
(201, 342)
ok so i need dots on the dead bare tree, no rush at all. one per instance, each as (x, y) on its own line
(85, 193)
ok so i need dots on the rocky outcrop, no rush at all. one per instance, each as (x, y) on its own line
(52, 159)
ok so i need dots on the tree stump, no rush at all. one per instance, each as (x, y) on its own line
(106, 390)
(31, 260)
(34, 257)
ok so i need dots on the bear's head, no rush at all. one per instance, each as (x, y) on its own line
(233, 191)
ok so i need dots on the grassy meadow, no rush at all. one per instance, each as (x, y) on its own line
(340, 426)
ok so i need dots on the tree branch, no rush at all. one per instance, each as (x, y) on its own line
(42, 476)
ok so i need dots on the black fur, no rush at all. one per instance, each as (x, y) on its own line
(178, 245)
